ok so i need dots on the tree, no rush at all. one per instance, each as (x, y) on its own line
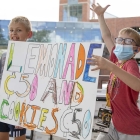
(41, 36)
(3, 41)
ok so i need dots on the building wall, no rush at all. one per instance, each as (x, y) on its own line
(85, 9)
(116, 24)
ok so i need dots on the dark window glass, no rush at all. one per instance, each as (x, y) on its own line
(56, 32)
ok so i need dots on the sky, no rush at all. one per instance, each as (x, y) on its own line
(122, 8)
(34, 10)
(48, 10)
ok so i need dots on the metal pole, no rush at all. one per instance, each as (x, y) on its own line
(51, 137)
(31, 136)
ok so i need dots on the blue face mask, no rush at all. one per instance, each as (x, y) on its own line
(123, 52)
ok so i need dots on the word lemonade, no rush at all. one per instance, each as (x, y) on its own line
(46, 87)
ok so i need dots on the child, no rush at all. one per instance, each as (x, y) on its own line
(19, 30)
(124, 83)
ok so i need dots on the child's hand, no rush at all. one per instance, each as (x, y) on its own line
(98, 9)
(100, 62)
(18, 127)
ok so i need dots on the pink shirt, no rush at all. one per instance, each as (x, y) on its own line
(126, 115)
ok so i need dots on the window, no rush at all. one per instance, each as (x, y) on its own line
(72, 13)
(72, 1)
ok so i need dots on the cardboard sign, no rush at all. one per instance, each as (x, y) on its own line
(49, 87)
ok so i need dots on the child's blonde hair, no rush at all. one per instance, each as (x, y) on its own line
(23, 20)
(132, 33)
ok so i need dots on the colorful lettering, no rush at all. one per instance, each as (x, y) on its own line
(80, 62)
(60, 60)
(70, 61)
(90, 52)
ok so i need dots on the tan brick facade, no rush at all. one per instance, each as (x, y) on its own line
(116, 24)
(85, 9)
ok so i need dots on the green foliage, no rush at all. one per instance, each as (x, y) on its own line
(2, 39)
(41, 36)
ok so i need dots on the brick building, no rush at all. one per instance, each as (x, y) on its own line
(116, 24)
(79, 10)
(75, 10)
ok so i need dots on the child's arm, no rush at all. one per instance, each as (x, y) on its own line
(106, 35)
(102, 63)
